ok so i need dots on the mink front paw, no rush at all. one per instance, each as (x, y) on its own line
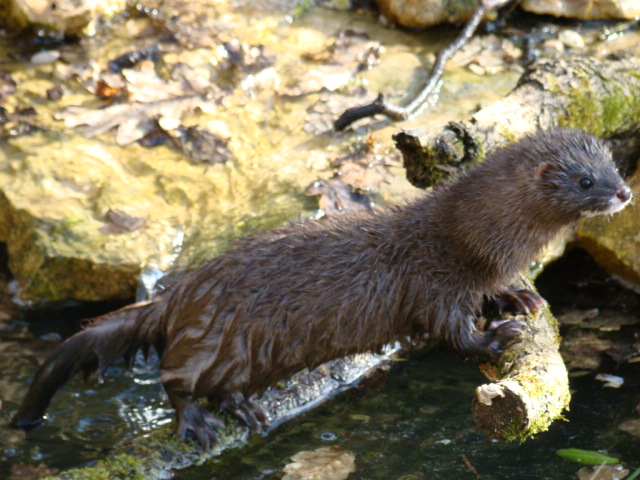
(518, 300)
(489, 343)
(500, 333)
(195, 419)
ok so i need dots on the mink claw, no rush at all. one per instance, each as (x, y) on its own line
(518, 300)
(506, 329)
(501, 333)
(199, 421)
(247, 411)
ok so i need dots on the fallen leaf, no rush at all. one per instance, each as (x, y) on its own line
(611, 381)
(246, 58)
(21, 122)
(586, 457)
(111, 87)
(350, 48)
(607, 320)
(121, 222)
(7, 84)
(350, 53)
(322, 114)
(581, 350)
(23, 471)
(632, 427)
(336, 196)
(202, 146)
(145, 85)
(133, 120)
(148, 97)
(326, 463)
(603, 472)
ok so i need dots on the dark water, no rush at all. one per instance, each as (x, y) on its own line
(416, 423)
(84, 420)
(418, 426)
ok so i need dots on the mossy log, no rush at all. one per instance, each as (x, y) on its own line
(601, 97)
(530, 386)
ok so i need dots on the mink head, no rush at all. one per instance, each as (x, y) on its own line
(577, 174)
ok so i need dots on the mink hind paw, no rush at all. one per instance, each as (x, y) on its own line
(518, 300)
(500, 333)
(247, 411)
(194, 418)
(25, 422)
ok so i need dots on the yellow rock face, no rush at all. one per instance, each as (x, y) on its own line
(585, 9)
(614, 242)
(68, 17)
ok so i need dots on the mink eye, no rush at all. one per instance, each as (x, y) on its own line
(586, 183)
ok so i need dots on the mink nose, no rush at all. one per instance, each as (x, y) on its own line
(623, 193)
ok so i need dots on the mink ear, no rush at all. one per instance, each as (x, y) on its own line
(541, 170)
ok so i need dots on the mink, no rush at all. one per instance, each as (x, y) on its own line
(298, 296)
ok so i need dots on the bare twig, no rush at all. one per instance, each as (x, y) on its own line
(469, 466)
(415, 105)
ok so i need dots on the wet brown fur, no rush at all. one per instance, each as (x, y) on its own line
(302, 295)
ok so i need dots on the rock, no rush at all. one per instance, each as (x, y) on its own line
(585, 9)
(425, 13)
(615, 245)
(57, 214)
(571, 39)
(66, 17)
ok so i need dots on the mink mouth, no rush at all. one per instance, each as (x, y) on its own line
(613, 206)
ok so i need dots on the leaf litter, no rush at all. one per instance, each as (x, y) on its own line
(140, 99)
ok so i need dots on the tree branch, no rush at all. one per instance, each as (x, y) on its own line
(430, 86)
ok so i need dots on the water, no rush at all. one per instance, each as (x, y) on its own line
(418, 425)
(85, 420)
(414, 423)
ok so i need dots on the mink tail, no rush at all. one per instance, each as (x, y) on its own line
(118, 334)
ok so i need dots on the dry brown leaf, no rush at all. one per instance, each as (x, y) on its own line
(581, 350)
(202, 146)
(7, 84)
(134, 120)
(350, 53)
(121, 222)
(336, 196)
(23, 471)
(322, 114)
(145, 86)
(326, 463)
(603, 472)
(632, 427)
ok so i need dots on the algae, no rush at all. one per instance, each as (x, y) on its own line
(600, 113)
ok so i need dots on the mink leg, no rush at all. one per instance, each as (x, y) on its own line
(246, 411)
(518, 300)
(192, 417)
